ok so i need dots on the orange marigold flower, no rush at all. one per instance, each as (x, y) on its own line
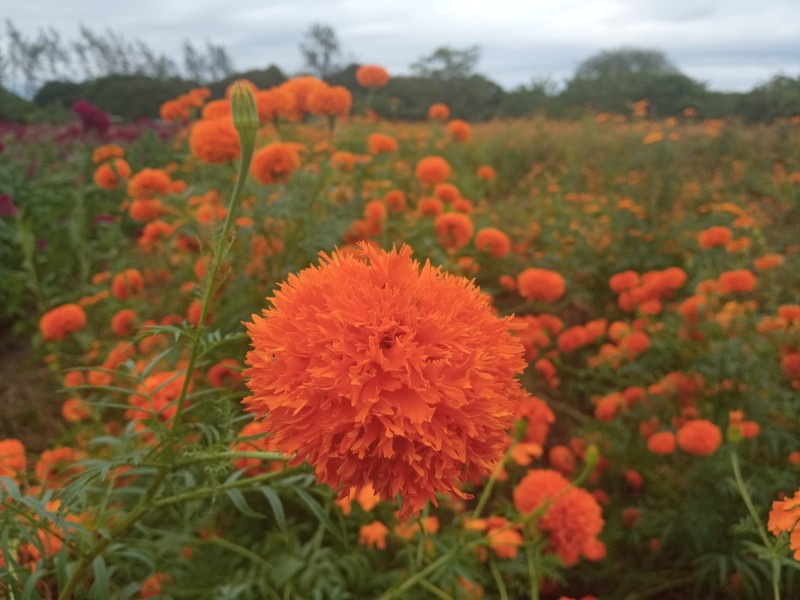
(446, 192)
(395, 200)
(152, 586)
(430, 207)
(789, 313)
(573, 519)
(380, 143)
(739, 281)
(354, 367)
(344, 161)
(107, 152)
(157, 397)
(59, 322)
(330, 101)
(432, 170)
(715, 236)
(226, 373)
(699, 437)
(74, 379)
(174, 110)
(662, 442)
(217, 109)
(146, 210)
(453, 230)
(541, 284)
(127, 283)
(459, 130)
(215, 141)
(768, 262)
(122, 322)
(12, 458)
(573, 339)
(75, 409)
(109, 174)
(149, 183)
(301, 89)
(438, 112)
(373, 535)
(784, 517)
(494, 241)
(486, 172)
(55, 467)
(273, 103)
(623, 281)
(275, 163)
(372, 76)
(504, 540)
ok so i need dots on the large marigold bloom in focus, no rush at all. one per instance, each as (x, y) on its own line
(372, 76)
(380, 372)
(215, 141)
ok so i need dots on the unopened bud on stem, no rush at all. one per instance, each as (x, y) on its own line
(244, 111)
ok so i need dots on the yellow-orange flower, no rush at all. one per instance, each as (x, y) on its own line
(378, 371)
(494, 241)
(699, 437)
(380, 143)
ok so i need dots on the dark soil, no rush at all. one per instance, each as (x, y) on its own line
(29, 404)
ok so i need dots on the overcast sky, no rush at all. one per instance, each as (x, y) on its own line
(729, 44)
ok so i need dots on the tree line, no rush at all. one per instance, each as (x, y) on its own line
(130, 80)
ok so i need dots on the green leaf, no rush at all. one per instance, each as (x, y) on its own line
(238, 500)
(277, 506)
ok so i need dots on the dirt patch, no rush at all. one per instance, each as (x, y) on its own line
(29, 405)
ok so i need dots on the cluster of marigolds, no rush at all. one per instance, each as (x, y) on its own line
(397, 380)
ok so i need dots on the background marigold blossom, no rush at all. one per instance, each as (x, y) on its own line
(379, 371)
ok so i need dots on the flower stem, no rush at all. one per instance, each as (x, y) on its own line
(745, 494)
(222, 245)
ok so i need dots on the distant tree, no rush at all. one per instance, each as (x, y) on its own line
(321, 50)
(524, 100)
(218, 61)
(194, 64)
(447, 64)
(779, 97)
(614, 79)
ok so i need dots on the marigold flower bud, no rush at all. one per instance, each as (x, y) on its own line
(243, 109)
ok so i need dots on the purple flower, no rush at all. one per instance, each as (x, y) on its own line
(7, 208)
(92, 118)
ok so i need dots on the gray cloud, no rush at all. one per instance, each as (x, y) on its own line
(730, 44)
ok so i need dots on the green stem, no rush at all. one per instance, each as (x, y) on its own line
(138, 511)
(222, 245)
(240, 550)
(745, 494)
(239, 483)
(533, 572)
(419, 575)
(487, 491)
(439, 593)
(498, 579)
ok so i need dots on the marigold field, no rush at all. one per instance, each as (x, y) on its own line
(290, 349)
